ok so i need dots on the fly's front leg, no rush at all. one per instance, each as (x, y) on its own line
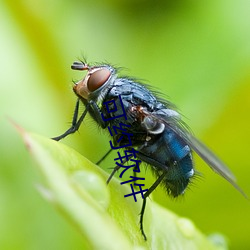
(75, 123)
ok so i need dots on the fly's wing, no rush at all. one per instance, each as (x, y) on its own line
(212, 160)
(175, 124)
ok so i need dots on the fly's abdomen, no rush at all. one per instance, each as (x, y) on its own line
(180, 166)
(173, 156)
(178, 176)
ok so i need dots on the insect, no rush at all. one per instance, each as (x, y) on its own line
(159, 135)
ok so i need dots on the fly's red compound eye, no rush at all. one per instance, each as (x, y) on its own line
(97, 79)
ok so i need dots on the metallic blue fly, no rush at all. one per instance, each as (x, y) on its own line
(159, 135)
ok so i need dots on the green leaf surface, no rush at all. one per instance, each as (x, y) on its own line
(103, 216)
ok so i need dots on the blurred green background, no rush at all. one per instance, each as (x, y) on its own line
(196, 52)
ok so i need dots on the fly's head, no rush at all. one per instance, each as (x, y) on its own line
(96, 79)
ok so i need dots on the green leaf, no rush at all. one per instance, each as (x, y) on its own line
(104, 217)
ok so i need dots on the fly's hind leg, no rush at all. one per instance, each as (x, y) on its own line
(150, 190)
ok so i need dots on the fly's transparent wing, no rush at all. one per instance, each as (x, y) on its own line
(208, 156)
(175, 124)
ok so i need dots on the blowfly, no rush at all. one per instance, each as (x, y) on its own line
(160, 137)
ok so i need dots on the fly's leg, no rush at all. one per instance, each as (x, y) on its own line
(116, 168)
(75, 123)
(104, 157)
(150, 190)
(164, 170)
(112, 174)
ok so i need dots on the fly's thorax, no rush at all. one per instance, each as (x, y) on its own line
(95, 84)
